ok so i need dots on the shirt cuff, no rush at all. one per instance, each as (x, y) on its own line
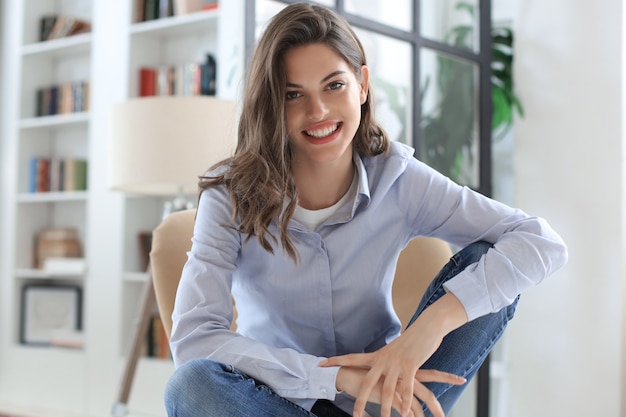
(473, 296)
(322, 383)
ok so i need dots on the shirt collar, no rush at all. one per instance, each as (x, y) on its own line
(363, 189)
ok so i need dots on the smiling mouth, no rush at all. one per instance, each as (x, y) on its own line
(322, 133)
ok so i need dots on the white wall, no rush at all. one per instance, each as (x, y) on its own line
(567, 340)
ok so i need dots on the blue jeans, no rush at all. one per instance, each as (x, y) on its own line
(204, 388)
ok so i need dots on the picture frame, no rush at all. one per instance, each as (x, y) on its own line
(50, 313)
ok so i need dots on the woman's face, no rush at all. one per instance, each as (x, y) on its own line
(322, 104)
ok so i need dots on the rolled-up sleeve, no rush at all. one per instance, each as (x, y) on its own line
(525, 248)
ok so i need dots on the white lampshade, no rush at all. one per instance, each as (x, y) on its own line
(160, 145)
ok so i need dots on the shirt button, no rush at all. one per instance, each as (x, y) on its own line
(324, 391)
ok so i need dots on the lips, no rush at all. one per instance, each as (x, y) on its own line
(320, 133)
(323, 134)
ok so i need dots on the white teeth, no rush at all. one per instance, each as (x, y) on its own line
(322, 132)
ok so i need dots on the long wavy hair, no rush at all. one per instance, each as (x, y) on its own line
(258, 177)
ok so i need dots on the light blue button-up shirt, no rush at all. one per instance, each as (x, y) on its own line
(337, 299)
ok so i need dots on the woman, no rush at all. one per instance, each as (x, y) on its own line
(304, 226)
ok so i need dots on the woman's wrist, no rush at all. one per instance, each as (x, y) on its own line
(443, 316)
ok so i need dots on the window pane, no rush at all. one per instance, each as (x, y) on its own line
(330, 3)
(391, 64)
(449, 120)
(455, 22)
(265, 10)
(399, 15)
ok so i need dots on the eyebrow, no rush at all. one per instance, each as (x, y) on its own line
(326, 78)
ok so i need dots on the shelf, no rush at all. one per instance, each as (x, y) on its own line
(76, 44)
(52, 197)
(31, 273)
(177, 25)
(45, 122)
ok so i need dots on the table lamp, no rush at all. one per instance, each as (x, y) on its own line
(159, 147)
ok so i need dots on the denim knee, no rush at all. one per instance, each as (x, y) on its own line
(470, 254)
(190, 385)
(203, 387)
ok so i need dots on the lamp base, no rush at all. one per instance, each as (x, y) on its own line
(180, 202)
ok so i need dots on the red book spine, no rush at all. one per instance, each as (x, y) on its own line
(43, 175)
(147, 82)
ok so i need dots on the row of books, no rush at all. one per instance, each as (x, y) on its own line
(158, 9)
(68, 97)
(157, 345)
(59, 26)
(56, 244)
(179, 80)
(57, 174)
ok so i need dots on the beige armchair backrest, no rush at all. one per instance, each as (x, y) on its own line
(419, 262)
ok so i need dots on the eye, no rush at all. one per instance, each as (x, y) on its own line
(335, 85)
(290, 95)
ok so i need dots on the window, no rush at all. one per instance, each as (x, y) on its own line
(430, 66)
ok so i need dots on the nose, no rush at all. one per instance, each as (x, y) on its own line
(316, 108)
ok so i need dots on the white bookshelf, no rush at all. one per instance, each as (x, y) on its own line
(49, 381)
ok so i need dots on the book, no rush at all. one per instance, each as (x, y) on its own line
(58, 233)
(69, 175)
(210, 5)
(147, 81)
(77, 96)
(171, 80)
(140, 11)
(46, 23)
(55, 174)
(157, 345)
(151, 11)
(166, 8)
(80, 174)
(66, 26)
(32, 174)
(61, 242)
(54, 100)
(86, 92)
(57, 265)
(194, 79)
(162, 84)
(66, 98)
(188, 6)
(42, 175)
(43, 104)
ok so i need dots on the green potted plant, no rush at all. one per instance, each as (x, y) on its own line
(448, 128)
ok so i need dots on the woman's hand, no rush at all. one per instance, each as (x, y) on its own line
(391, 375)
(349, 380)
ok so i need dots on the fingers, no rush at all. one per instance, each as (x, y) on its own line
(362, 360)
(429, 399)
(432, 375)
(367, 385)
(406, 392)
(389, 395)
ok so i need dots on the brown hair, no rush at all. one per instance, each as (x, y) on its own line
(259, 177)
